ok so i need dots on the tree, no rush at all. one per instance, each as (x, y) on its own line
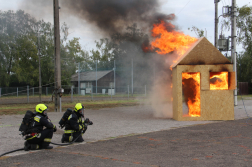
(71, 55)
(12, 34)
(20, 35)
(244, 28)
(197, 31)
(244, 32)
(103, 54)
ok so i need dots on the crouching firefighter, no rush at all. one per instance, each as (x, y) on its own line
(75, 127)
(36, 136)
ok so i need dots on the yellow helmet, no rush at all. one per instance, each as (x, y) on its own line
(40, 108)
(78, 107)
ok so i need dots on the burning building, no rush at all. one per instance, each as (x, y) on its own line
(203, 82)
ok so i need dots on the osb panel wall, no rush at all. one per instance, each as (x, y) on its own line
(205, 87)
(231, 80)
(174, 92)
(204, 53)
(217, 105)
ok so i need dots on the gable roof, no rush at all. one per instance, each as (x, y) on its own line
(202, 52)
(90, 75)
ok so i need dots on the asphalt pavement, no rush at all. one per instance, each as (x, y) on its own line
(131, 136)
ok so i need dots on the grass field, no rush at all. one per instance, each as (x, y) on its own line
(244, 97)
(10, 109)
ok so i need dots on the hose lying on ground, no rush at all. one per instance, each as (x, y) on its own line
(66, 143)
(51, 143)
(11, 151)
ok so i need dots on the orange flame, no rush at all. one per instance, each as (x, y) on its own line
(218, 80)
(191, 90)
(167, 42)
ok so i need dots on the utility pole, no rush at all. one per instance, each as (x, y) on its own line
(114, 77)
(233, 48)
(40, 92)
(57, 68)
(132, 87)
(216, 21)
(96, 76)
(79, 79)
(231, 11)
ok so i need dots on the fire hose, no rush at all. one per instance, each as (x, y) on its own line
(65, 144)
(20, 149)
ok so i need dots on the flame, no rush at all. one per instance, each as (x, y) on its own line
(218, 80)
(169, 41)
(191, 90)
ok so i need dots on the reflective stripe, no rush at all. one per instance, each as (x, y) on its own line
(80, 127)
(37, 118)
(47, 140)
(69, 131)
(31, 137)
(70, 138)
(37, 135)
(70, 117)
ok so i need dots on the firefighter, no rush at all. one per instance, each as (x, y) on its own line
(40, 138)
(75, 127)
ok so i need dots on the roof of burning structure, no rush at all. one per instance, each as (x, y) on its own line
(90, 75)
(202, 52)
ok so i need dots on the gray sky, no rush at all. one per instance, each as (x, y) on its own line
(188, 13)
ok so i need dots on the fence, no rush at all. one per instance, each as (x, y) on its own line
(126, 77)
(18, 95)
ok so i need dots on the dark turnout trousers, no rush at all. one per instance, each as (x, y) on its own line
(69, 137)
(43, 139)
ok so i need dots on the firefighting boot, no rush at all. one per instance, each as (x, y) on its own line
(27, 146)
(34, 146)
(47, 147)
(62, 139)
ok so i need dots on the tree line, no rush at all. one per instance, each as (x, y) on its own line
(22, 38)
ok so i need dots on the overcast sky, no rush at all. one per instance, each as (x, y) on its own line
(188, 13)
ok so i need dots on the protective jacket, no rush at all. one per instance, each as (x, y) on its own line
(74, 124)
(40, 121)
(73, 128)
(41, 136)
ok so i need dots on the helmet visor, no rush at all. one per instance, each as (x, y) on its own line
(81, 111)
(45, 112)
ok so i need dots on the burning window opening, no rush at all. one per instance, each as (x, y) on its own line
(191, 92)
(218, 80)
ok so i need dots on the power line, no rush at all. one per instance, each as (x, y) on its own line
(184, 7)
(222, 3)
(225, 3)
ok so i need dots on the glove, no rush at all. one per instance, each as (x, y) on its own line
(86, 121)
(84, 129)
(54, 128)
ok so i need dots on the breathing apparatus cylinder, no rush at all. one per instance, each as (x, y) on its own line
(64, 118)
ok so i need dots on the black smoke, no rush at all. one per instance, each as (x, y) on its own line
(113, 16)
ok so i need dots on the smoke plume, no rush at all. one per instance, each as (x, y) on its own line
(112, 16)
